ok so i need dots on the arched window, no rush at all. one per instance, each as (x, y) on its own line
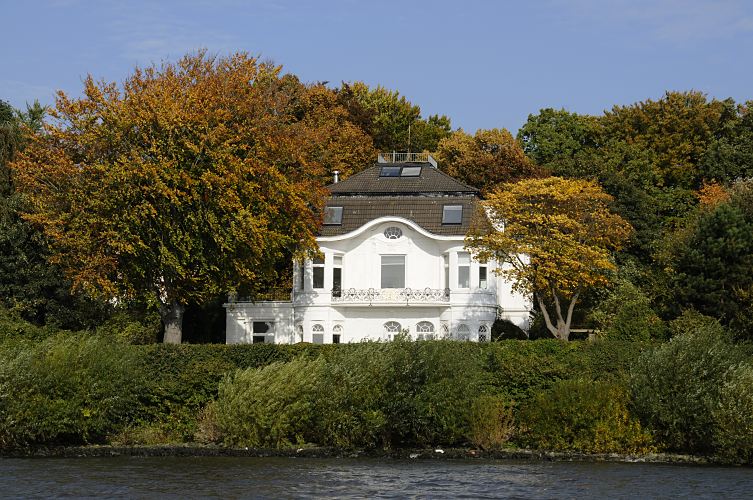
(444, 330)
(317, 334)
(425, 330)
(337, 333)
(483, 333)
(299, 332)
(393, 233)
(392, 327)
(463, 332)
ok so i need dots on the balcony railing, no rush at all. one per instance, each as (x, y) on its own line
(391, 295)
(395, 157)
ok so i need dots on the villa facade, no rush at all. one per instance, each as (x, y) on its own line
(393, 261)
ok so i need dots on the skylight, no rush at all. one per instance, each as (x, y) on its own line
(389, 172)
(411, 172)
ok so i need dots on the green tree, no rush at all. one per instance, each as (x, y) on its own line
(393, 122)
(711, 260)
(730, 156)
(183, 183)
(484, 160)
(556, 238)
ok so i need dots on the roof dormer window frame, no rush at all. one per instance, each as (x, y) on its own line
(333, 216)
(452, 215)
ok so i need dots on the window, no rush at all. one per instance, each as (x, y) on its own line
(393, 233)
(444, 330)
(411, 172)
(483, 333)
(317, 334)
(446, 263)
(261, 330)
(299, 332)
(464, 270)
(463, 332)
(393, 271)
(301, 275)
(452, 214)
(392, 327)
(333, 216)
(318, 272)
(337, 276)
(337, 332)
(425, 330)
(389, 172)
(482, 283)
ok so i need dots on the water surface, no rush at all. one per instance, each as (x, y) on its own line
(245, 477)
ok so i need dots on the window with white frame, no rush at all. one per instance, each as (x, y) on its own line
(464, 270)
(299, 332)
(393, 271)
(337, 275)
(301, 274)
(463, 332)
(482, 279)
(263, 332)
(393, 233)
(317, 268)
(392, 328)
(483, 333)
(446, 264)
(333, 216)
(317, 334)
(425, 330)
(337, 333)
(452, 214)
(444, 329)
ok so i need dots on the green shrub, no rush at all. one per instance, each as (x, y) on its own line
(626, 314)
(583, 415)
(733, 415)
(67, 390)
(490, 422)
(273, 406)
(124, 327)
(676, 386)
(504, 329)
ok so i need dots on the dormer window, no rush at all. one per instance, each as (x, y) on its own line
(333, 216)
(452, 214)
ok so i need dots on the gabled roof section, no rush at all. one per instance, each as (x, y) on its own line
(370, 182)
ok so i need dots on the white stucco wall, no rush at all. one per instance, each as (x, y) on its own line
(361, 253)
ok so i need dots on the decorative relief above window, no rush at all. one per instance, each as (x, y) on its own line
(393, 233)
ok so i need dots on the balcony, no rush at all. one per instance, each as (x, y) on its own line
(390, 296)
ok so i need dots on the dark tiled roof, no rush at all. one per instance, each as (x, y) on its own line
(431, 180)
(426, 211)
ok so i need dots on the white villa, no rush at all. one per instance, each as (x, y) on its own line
(393, 262)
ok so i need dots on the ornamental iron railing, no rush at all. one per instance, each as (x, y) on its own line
(391, 295)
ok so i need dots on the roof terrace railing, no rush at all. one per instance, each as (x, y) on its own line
(395, 157)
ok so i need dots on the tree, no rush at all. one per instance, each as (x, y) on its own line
(730, 156)
(555, 238)
(486, 159)
(563, 143)
(393, 122)
(710, 260)
(186, 182)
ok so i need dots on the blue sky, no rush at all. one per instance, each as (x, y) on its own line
(483, 63)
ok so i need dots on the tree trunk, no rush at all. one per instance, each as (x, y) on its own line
(172, 318)
(562, 330)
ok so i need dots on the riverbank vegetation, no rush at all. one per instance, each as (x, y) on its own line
(688, 395)
(127, 214)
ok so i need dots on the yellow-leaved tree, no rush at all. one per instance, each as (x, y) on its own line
(186, 181)
(555, 238)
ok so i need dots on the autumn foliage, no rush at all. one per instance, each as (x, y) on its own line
(187, 180)
(556, 237)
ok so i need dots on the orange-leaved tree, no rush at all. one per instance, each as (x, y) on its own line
(555, 238)
(183, 183)
(485, 159)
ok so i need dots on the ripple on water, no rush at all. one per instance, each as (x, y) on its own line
(244, 477)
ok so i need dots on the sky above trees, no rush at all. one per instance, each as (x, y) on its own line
(484, 64)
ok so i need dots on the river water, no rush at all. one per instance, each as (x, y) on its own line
(233, 477)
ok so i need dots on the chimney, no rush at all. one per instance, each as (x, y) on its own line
(337, 176)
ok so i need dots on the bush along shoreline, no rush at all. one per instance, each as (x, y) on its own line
(681, 400)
